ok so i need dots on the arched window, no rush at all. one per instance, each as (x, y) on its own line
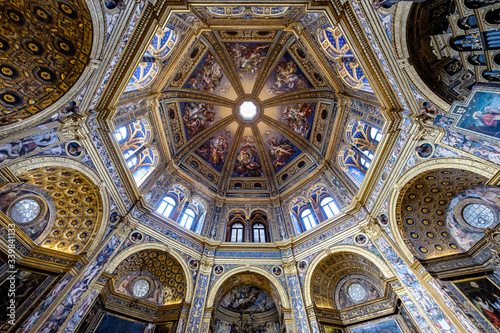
(307, 218)
(329, 207)
(237, 232)
(188, 218)
(166, 206)
(199, 225)
(132, 162)
(259, 233)
(375, 134)
(121, 134)
(366, 159)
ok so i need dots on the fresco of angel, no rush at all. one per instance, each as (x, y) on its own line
(248, 161)
(281, 151)
(298, 117)
(207, 76)
(247, 58)
(215, 150)
(197, 117)
(286, 77)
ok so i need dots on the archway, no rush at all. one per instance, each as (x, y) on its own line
(247, 299)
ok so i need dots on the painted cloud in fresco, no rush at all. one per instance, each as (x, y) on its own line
(215, 150)
(247, 299)
(286, 77)
(248, 161)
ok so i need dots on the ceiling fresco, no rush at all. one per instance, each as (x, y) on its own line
(47, 45)
(213, 141)
(335, 274)
(294, 107)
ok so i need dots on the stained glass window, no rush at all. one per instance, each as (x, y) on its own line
(25, 210)
(477, 215)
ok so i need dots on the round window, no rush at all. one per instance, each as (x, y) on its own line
(141, 288)
(477, 215)
(25, 210)
(357, 292)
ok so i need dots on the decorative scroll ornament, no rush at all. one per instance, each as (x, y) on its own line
(372, 229)
(72, 128)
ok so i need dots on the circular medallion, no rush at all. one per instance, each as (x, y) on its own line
(357, 292)
(218, 269)
(141, 288)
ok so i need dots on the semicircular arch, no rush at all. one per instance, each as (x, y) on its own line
(66, 162)
(212, 293)
(379, 262)
(155, 246)
(475, 166)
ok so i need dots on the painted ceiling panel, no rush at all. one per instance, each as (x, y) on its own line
(248, 162)
(298, 117)
(199, 116)
(286, 77)
(214, 151)
(247, 59)
(280, 150)
(208, 76)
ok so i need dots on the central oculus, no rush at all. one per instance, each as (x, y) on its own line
(248, 110)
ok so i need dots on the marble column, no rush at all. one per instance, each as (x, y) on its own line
(195, 318)
(430, 315)
(295, 294)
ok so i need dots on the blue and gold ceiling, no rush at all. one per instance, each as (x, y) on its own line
(269, 66)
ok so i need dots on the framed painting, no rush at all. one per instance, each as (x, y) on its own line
(485, 295)
(479, 115)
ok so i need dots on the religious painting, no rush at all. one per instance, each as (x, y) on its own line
(215, 150)
(248, 59)
(26, 284)
(298, 117)
(424, 150)
(479, 115)
(281, 151)
(75, 149)
(114, 324)
(485, 295)
(389, 326)
(27, 145)
(197, 117)
(246, 299)
(208, 76)
(248, 162)
(126, 286)
(286, 77)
